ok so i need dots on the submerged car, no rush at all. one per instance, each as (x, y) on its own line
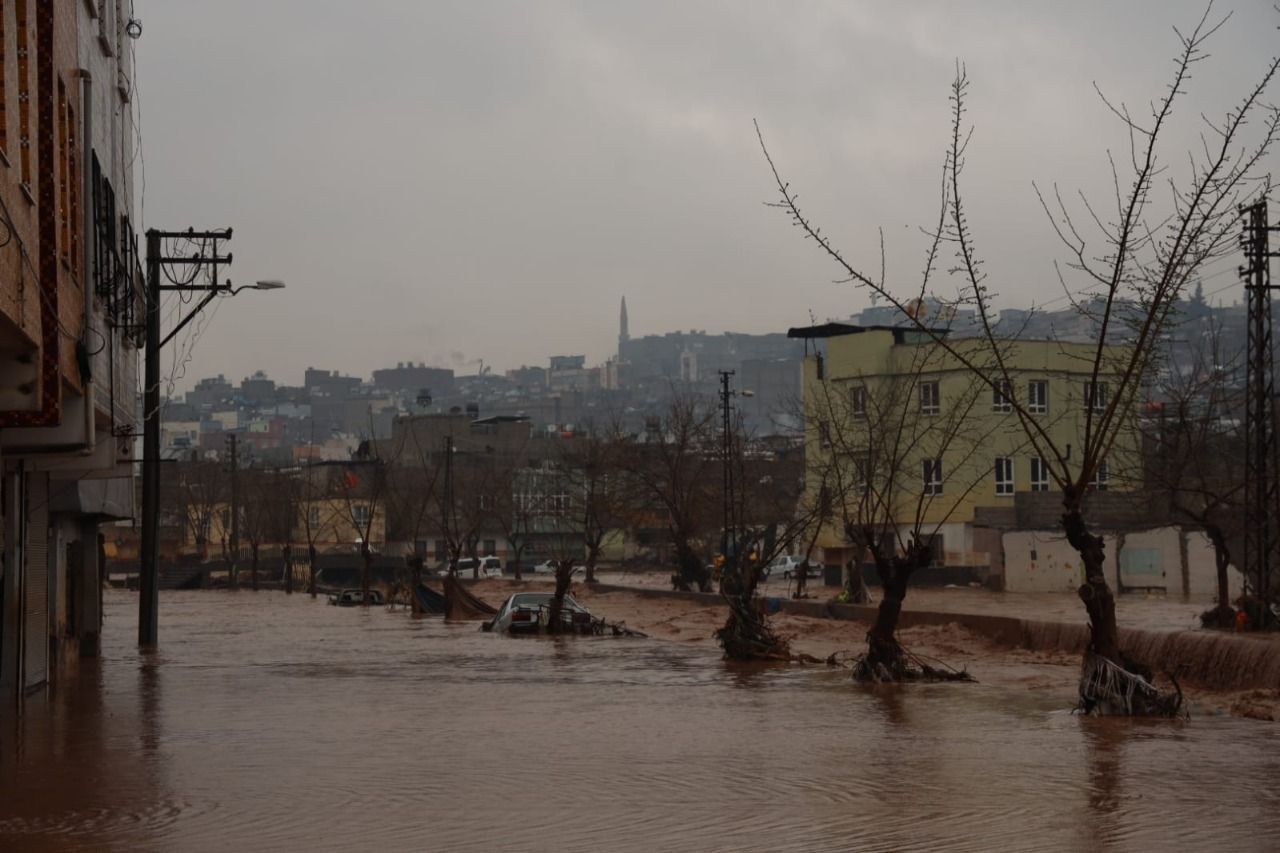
(355, 597)
(530, 613)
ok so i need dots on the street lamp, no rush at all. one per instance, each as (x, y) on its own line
(149, 570)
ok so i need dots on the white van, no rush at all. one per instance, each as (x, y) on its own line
(490, 567)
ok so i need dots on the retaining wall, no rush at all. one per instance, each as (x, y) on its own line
(1204, 658)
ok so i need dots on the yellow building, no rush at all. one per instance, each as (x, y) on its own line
(338, 523)
(890, 412)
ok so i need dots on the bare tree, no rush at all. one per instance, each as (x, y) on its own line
(200, 492)
(362, 488)
(310, 493)
(1194, 451)
(675, 467)
(267, 512)
(411, 498)
(899, 453)
(1144, 249)
(598, 496)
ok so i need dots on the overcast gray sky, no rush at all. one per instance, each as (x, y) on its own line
(451, 181)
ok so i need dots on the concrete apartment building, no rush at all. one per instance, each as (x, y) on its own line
(874, 381)
(70, 286)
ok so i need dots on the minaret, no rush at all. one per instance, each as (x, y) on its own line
(623, 335)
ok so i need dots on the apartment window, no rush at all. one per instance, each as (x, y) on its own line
(490, 545)
(313, 517)
(25, 154)
(1038, 397)
(861, 468)
(858, 401)
(824, 435)
(1004, 475)
(360, 514)
(1095, 397)
(1101, 477)
(1002, 397)
(441, 553)
(930, 400)
(931, 474)
(1039, 475)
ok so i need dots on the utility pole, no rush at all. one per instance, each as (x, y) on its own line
(728, 539)
(149, 574)
(1262, 462)
(447, 498)
(233, 453)
(208, 261)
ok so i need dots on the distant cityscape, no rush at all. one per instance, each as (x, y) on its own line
(330, 413)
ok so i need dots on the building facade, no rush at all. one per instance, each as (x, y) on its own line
(70, 308)
(880, 397)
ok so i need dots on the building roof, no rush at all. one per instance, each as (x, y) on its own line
(835, 330)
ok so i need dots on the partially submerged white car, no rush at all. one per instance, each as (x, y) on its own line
(530, 613)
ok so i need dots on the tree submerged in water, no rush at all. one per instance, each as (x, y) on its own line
(1151, 248)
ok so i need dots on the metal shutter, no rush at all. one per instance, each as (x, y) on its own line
(35, 586)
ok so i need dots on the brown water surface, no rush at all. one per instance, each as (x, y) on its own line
(269, 722)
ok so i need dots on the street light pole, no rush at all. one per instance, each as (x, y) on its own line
(149, 562)
(149, 574)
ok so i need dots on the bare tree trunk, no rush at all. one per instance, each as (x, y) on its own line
(366, 569)
(311, 569)
(1098, 600)
(288, 570)
(415, 579)
(855, 585)
(1223, 615)
(691, 575)
(253, 567)
(564, 573)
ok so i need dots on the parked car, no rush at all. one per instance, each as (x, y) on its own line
(529, 613)
(789, 566)
(490, 567)
(546, 567)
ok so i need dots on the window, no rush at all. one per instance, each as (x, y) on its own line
(931, 473)
(1004, 475)
(1101, 477)
(858, 400)
(1002, 397)
(1095, 397)
(360, 514)
(824, 435)
(441, 553)
(1038, 397)
(313, 517)
(1039, 475)
(490, 545)
(930, 401)
(861, 468)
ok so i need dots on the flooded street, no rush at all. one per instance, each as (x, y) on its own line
(275, 723)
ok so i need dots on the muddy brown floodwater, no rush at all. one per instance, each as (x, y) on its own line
(278, 723)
